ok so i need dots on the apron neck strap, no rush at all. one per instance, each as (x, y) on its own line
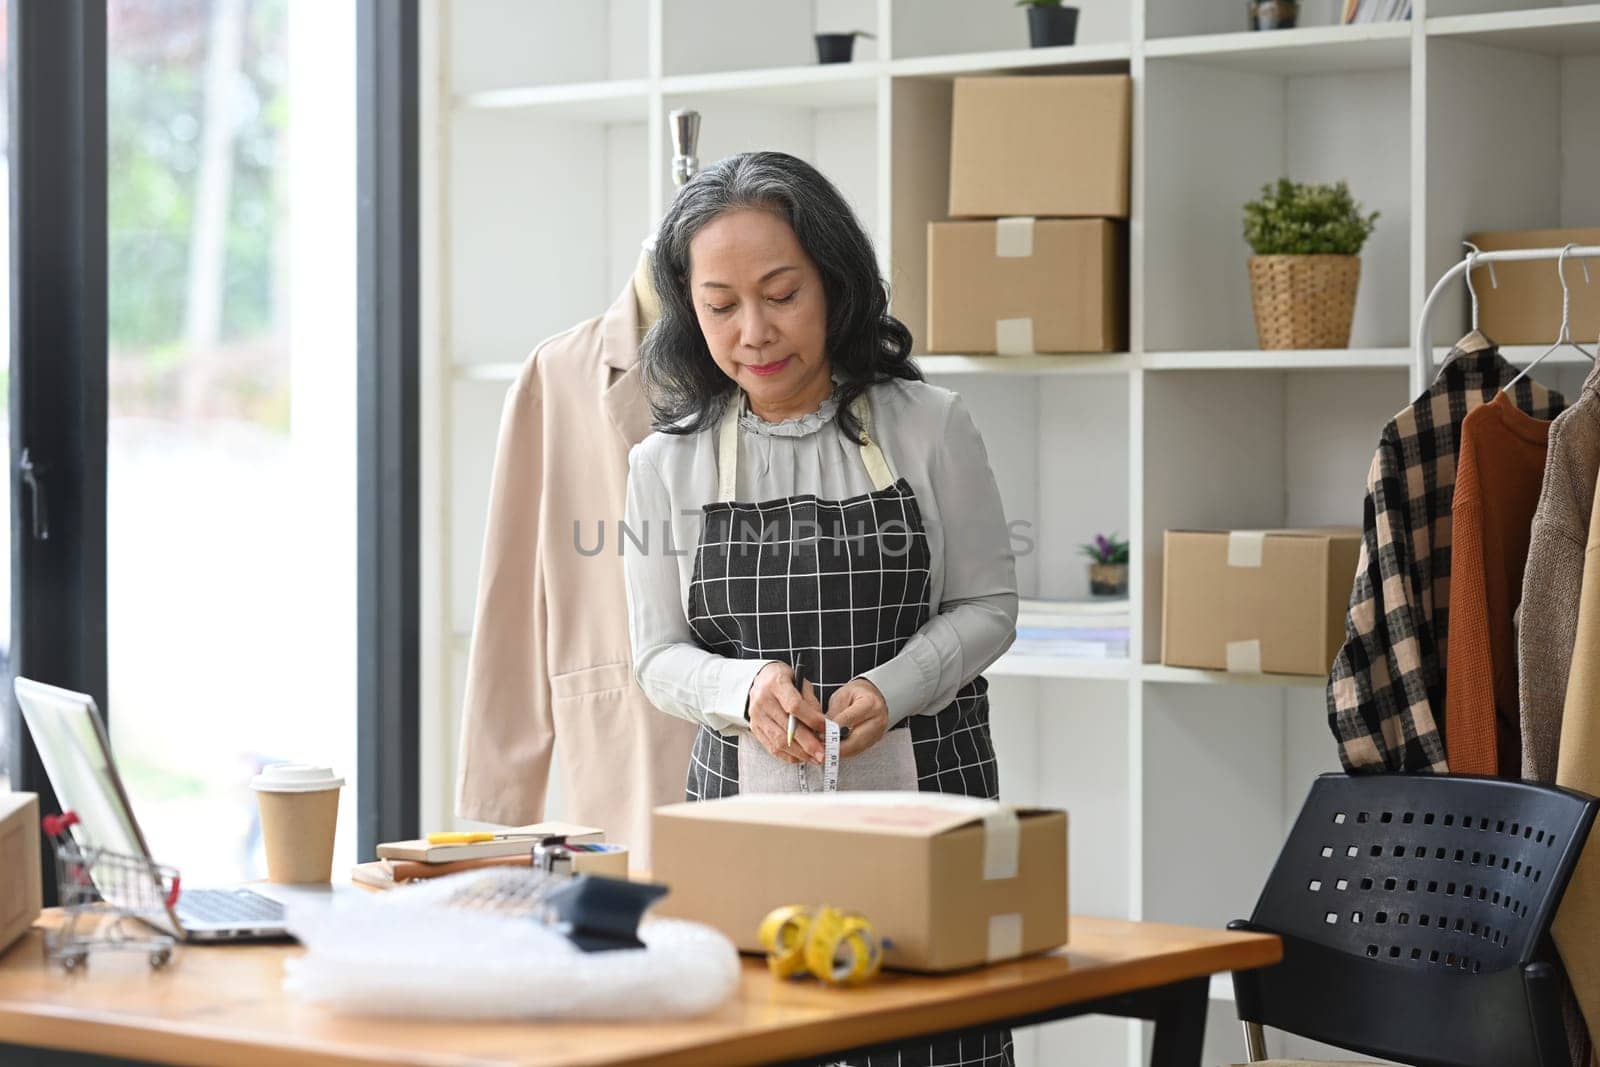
(728, 446)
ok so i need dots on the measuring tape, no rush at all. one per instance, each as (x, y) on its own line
(838, 947)
(830, 761)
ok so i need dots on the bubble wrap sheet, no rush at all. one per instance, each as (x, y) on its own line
(414, 952)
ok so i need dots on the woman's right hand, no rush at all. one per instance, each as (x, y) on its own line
(773, 698)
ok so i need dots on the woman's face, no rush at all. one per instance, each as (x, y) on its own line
(759, 300)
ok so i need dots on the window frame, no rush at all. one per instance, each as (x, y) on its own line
(388, 744)
(56, 64)
(59, 390)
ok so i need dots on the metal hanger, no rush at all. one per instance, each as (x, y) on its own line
(1475, 340)
(1564, 338)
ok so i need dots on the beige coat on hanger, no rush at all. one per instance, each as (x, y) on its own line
(1579, 768)
(550, 662)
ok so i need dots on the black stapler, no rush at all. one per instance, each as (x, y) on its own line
(601, 914)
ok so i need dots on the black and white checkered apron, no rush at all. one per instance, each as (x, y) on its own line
(840, 585)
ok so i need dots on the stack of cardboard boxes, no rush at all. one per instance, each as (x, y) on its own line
(1039, 165)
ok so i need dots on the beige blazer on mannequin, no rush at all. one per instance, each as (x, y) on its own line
(550, 662)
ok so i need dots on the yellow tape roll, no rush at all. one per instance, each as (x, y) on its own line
(783, 934)
(838, 947)
(843, 948)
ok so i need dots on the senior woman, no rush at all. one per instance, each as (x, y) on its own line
(809, 505)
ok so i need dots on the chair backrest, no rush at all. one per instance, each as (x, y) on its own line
(1415, 912)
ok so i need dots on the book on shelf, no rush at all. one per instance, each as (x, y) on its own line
(1097, 606)
(1100, 634)
(1069, 649)
(385, 874)
(1108, 643)
(1073, 614)
(1367, 11)
(1027, 620)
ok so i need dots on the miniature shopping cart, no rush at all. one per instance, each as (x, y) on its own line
(102, 895)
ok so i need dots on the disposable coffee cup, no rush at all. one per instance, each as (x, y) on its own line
(299, 807)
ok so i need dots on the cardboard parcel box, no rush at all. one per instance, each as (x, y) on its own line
(1021, 285)
(1270, 601)
(1053, 145)
(952, 881)
(1525, 307)
(20, 888)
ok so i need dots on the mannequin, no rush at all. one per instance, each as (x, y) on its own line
(576, 682)
(644, 292)
(685, 143)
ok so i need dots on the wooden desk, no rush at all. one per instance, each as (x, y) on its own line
(223, 1005)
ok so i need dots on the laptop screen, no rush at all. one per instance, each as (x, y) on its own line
(71, 740)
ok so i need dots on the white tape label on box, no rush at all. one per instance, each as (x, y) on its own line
(1013, 237)
(1244, 657)
(1005, 937)
(1013, 337)
(1002, 839)
(1245, 547)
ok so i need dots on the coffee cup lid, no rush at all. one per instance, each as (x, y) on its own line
(295, 778)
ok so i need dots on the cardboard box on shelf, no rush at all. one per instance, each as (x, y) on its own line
(1270, 601)
(952, 881)
(21, 893)
(1525, 307)
(1046, 145)
(1019, 285)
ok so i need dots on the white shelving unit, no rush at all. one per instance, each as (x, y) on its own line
(546, 162)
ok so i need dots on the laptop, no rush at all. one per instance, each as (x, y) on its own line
(73, 745)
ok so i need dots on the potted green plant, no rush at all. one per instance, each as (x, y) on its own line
(838, 47)
(1303, 275)
(1050, 25)
(1108, 565)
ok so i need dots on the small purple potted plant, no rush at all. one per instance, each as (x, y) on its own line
(1108, 566)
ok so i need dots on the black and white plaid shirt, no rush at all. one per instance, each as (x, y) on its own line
(1386, 689)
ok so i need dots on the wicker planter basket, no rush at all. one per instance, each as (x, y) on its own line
(1304, 301)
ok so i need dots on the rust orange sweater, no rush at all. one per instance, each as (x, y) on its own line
(1498, 475)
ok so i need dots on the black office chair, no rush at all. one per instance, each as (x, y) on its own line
(1415, 914)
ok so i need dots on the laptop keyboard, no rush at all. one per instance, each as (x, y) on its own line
(228, 906)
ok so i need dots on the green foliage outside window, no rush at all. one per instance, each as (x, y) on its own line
(154, 95)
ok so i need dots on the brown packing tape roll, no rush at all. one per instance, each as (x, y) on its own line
(612, 863)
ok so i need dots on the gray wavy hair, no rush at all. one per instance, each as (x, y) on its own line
(686, 389)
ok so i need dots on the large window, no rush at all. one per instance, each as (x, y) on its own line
(231, 477)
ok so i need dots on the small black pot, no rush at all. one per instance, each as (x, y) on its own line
(1052, 27)
(835, 47)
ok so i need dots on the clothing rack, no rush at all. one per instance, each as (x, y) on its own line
(1422, 368)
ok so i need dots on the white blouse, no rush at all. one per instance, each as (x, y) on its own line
(929, 439)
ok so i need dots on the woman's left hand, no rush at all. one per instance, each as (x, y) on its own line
(859, 705)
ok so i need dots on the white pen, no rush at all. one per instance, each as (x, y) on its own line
(800, 684)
